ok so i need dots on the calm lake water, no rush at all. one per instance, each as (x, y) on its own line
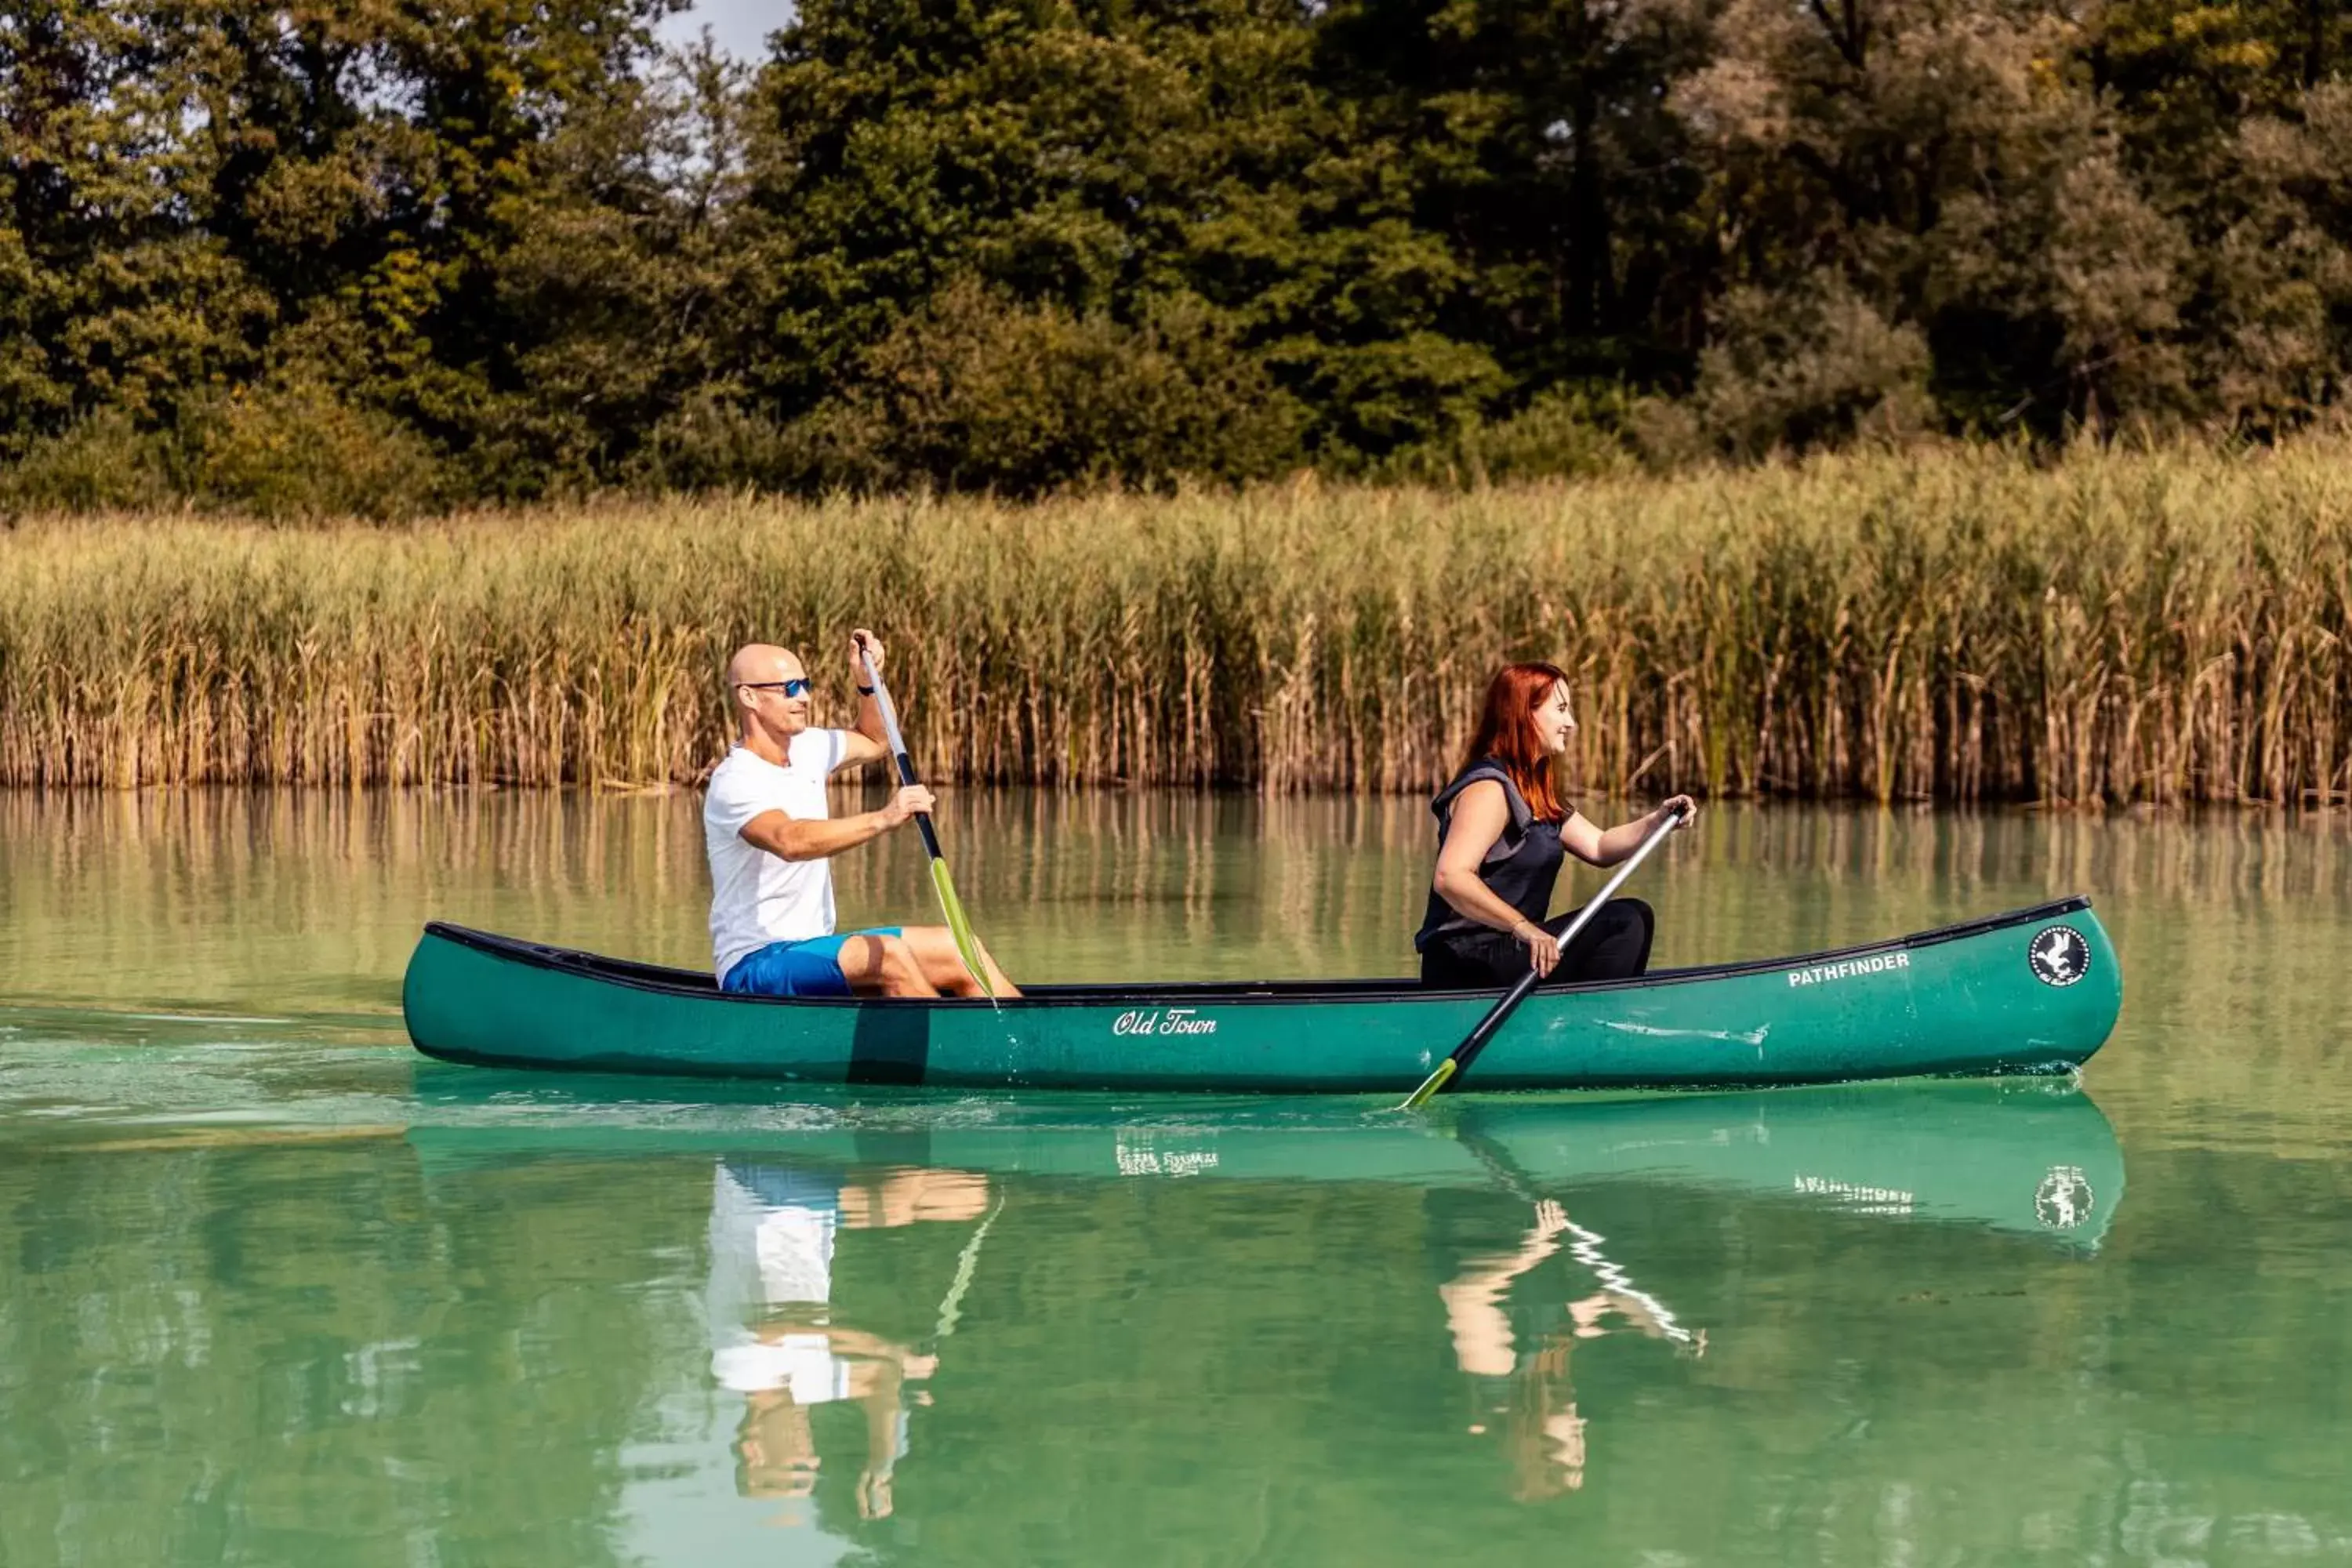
(273, 1289)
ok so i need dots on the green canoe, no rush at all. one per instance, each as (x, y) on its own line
(2032, 991)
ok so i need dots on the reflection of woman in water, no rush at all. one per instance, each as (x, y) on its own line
(774, 1337)
(1543, 1431)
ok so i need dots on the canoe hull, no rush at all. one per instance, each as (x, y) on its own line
(1969, 999)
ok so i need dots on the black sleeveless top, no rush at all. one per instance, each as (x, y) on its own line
(1521, 869)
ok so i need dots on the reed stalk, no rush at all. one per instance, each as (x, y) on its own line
(1963, 625)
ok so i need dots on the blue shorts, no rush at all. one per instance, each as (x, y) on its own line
(811, 968)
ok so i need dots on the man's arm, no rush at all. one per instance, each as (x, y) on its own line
(869, 743)
(816, 838)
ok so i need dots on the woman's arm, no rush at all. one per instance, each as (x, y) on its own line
(1480, 813)
(1606, 847)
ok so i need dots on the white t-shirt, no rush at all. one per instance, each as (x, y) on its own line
(757, 898)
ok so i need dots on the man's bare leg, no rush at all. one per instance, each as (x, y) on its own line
(934, 948)
(885, 966)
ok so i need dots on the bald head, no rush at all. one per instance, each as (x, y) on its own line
(767, 717)
(762, 661)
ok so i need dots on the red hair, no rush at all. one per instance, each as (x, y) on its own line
(1506, 733)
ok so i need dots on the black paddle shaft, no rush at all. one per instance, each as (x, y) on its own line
(1497, 1016)
(881, 695)
(922, 818)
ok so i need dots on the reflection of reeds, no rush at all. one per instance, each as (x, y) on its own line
(2152, 628)
(308, 902)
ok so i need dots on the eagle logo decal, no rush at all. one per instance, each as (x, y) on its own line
(2058, 956)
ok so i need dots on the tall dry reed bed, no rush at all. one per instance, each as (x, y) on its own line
(1959, 625)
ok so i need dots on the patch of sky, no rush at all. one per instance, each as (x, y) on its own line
(740, 27)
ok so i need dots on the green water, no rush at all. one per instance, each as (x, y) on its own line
(273, 1290)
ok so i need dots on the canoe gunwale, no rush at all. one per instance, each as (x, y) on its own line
(685, 983)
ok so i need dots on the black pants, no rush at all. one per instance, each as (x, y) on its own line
(1613, 945)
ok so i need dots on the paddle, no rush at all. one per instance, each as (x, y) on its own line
(1467, 1051)
(960, 927)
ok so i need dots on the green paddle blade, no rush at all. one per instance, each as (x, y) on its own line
(1429, 1086)
(966, 944)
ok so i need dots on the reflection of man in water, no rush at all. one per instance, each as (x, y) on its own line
(774, 1337)
(1544, 1433)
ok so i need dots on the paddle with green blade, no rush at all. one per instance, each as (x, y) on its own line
(1454, 1065)
(959, 924)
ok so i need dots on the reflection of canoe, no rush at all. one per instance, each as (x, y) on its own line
(2034, 991)
(2033, 1157)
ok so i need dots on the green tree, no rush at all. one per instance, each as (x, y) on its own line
(1543, 150)
(112, 292)
(1948, 165)
(199, 194)
(1119, 162)
(2235, 115)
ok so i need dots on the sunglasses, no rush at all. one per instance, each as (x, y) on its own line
(789, 688)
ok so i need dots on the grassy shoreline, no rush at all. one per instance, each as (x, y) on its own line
(1959, 625)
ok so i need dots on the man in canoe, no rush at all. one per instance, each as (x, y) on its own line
(1502, 831)
(770, 834)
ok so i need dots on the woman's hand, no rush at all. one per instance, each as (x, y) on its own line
(1690, 812)
(1543, 948)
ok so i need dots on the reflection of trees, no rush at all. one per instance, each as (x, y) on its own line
(293, 1354)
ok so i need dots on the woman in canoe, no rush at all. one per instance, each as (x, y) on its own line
(1502, 831)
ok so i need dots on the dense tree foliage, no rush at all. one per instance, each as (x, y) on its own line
(373, 254)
